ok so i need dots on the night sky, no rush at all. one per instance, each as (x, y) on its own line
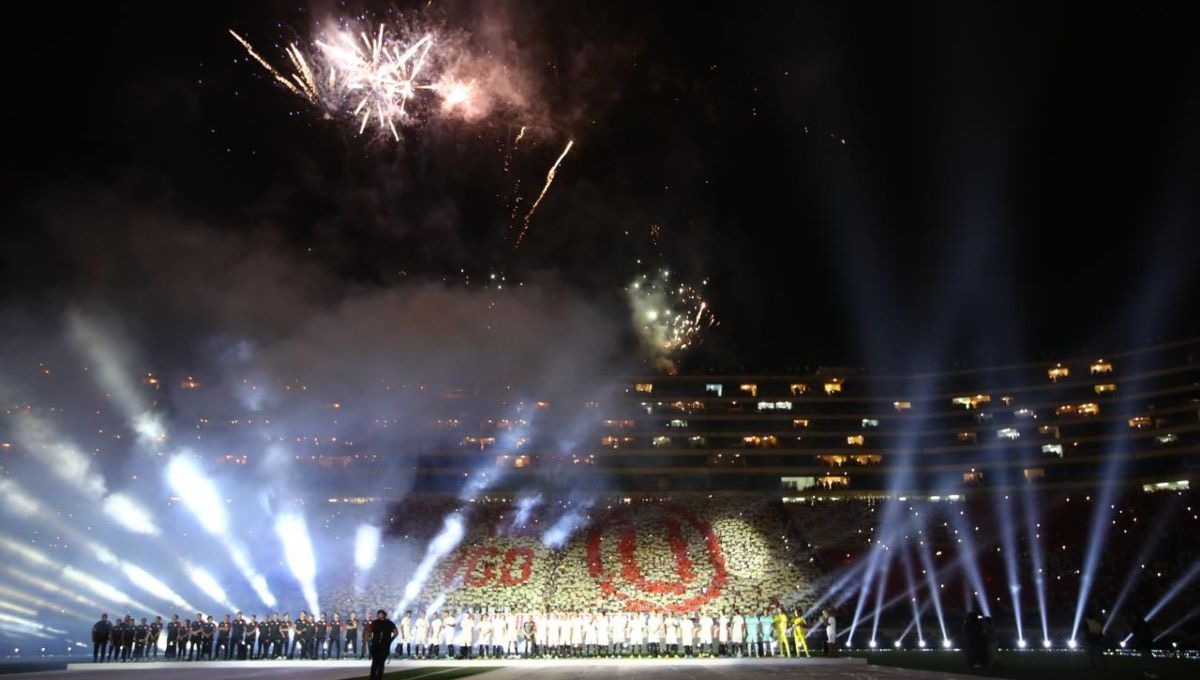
(877, 184)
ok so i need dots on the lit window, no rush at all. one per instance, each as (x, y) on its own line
(832, 459)
(660, 441)
(983, 417)
(1049, 431)
(1139, 422)
(798, 389)
(697, 442)
(644, 387)
(968, 437)
(1089, 409)
(1053, 449)
(623, 424)
(799, 423)
(971, 401)
(687, 406)
(721, 458)
(756, 441)
(1034, 473)
(189, 383)
(1059, 371)
(1009, 433)
(855, 440)
(1104, 388)
(149, 379)
(1101, 366)
(1181, 485)
(677, 423)
(1166, 438)
(902, 405)
(834, 481)
(973, 477)
(1066, 410)
(870, 423)
(1025, 413)
(542, 405)
(749, 388)
(865, 459)
(1006, 399)
(521, 461)
(833, 386)
(798, 483)
(774, 406)
(715, 388)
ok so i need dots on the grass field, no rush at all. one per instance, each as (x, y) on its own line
(1039, 665)
(434, 673)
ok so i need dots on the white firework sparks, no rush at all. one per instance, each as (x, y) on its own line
(373, 77)
(670, 316)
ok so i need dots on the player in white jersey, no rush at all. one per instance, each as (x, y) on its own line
(723, 635)
(671, 634)
(687, 633)
(602, 634)
(737, 634)
(464, 635)
(654, 632)
(449, 630)
(705, 635)
(499, 636)
(616, 634)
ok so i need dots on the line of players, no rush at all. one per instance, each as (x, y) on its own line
(655, 634)
(234, 637)
(469, 634)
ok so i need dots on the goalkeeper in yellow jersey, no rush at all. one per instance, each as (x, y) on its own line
(781, 624)
(798, 624)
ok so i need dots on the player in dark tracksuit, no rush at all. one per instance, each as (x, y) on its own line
(101, 636)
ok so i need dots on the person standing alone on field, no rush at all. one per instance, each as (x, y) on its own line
(380, 634)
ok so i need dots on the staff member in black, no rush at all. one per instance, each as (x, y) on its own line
(223, 646)
(379, 640)
(156, 627)
(335, 636)
(101, 634)
(206, 638)
(320, 634)
(237, 635)
(352, 636)
(173, 637)
(196, 637)
(251, 639)
(140, 632)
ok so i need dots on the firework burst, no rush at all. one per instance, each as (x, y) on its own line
(670, 316)
(381, 78)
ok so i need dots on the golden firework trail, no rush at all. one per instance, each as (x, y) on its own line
(306, 93)
(549, 180)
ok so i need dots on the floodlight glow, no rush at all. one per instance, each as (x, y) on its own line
(441, 545)
(208, 585)
(1046, 643)
(129, 514)
(17, 502)
(198, 493)
(240, 560)
(921, 644)
(366, 546)
(1022, 643)
(896, 644)
(298, 553)
(148, 582)
(872, 644)
(51, 587)
(102, 588)
(946, 643)
(1147, 549)
(1179, 585)
(1008, 540)
(1072, 644)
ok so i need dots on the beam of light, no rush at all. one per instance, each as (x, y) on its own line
(446, 540)
(1157, 531)
(1179, 585)
(31, 555)
(912, 597)
(51, 587)
(151, 584)
(31, 626)
(61, 459)
(1008, 541)
(967, 549)
(565, 526)
(112, 370)
(17, 502)
(1033, 539)
(549, 180)
(102, 588)
(1097, 537)
(366, 546)
(525, 506)
(17, 609)
(208, 585)
(298, 554)
(257, 581)
(129, 514)
(931, 583)
(198, 492)
(1175, 626)
(881, 588)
